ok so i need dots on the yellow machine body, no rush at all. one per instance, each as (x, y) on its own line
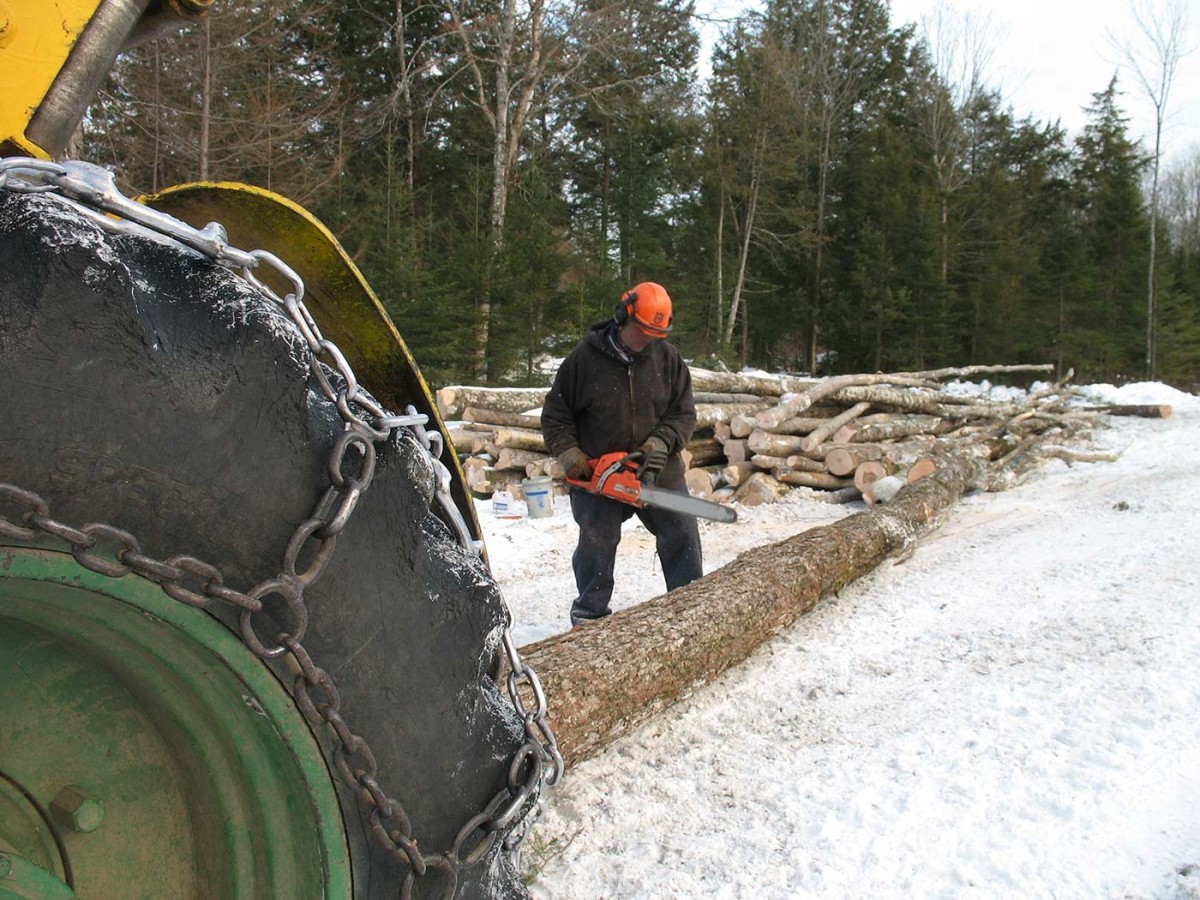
(36, 38)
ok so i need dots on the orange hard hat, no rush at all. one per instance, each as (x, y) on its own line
(649, 306)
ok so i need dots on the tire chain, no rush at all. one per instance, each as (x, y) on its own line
(536, 765)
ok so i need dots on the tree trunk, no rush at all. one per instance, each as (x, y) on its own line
(518, 459)
(453, 400)
(820, 480)
(709, 414)
(1151, 411)
(810, 442)
(607, 678)
(705, 451)
(775, 444)
(520, 439)
(747, 232)
(485, 416)
(891, 431)
(737, 473)
(767, 386)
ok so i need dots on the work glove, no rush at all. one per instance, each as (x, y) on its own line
(575, 464)
(654, 457)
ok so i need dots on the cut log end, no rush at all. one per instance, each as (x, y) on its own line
(922, 468)
(871, 471)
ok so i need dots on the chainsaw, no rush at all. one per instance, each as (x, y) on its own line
(614, 475)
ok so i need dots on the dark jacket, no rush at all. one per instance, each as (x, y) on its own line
(606, 398)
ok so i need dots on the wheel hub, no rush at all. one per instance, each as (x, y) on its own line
(146, 752)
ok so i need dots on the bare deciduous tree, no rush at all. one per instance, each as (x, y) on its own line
(1154, 60)
(960, 45)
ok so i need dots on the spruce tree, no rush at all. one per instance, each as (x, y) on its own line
(1104, 323)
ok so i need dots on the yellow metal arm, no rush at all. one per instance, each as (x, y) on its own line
(55, 53)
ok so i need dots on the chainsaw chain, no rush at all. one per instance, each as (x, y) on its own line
(536, 765)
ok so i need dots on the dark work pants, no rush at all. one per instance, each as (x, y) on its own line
(677, 538)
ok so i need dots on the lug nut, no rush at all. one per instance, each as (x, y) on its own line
(72, 808)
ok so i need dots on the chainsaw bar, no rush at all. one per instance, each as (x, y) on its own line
(614, 475)
(689, 506)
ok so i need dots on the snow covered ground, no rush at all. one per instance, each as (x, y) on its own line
(1011, 711)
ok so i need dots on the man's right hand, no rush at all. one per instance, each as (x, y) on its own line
(575, 464)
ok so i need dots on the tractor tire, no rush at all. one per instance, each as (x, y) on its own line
(153, 391)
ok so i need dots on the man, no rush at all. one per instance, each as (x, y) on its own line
(624, 388)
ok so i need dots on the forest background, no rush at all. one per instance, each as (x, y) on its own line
(830, 192)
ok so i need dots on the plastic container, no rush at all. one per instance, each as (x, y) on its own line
(539, 496)
(502, 503)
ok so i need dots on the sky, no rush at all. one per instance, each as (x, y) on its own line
(1050, 56)
(1010, 709)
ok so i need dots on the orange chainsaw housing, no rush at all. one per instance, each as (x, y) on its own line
(614, 475)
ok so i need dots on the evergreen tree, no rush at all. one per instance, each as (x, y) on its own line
(1104, 326)
(1179, 301)
(628, 135)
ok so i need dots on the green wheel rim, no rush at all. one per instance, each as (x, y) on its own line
(201, 777)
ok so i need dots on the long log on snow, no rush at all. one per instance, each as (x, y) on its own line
(607, 678)
(1146, 411)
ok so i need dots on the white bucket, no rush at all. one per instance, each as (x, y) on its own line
(539, 496)
(502, 503)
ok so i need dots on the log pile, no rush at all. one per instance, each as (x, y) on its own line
(759, 437)
(911, 454)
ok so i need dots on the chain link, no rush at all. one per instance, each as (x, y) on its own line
(537, 764)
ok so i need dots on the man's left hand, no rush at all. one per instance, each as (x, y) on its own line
(654, 458)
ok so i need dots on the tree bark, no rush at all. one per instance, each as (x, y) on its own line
(891, 431)
(759, 488)
(781, 445)
(488, 416)
(605, 679)
(508, 458)
(706, 380)
(791, 405)
(742, 426)
(709, 414)
(1152, 411)
(822, 481)
(465, 440)
(818, 436)
(736, 473)
(520, 439)
(804, 463)
(700, 482)
(705, 451)
(453, 400)
(485, 479)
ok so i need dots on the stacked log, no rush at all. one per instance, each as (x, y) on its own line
(760, 437)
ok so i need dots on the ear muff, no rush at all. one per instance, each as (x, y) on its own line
(624, 310)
